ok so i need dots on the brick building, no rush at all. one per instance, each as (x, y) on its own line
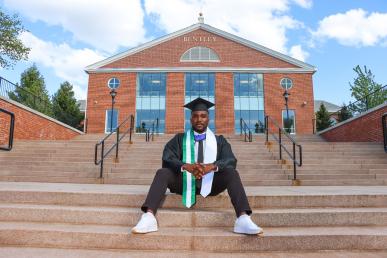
(244, 80)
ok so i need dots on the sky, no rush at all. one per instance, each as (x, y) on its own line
(334, 36)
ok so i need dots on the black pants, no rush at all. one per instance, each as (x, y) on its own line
(226, 179)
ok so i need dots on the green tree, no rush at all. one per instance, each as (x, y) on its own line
(65, 106)
(364, 85)
(32, 91)
(322, 118)
(344, 113)
(11, 47)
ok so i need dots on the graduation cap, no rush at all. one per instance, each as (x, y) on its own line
(199, 104)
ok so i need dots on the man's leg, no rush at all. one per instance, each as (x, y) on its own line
(229, 179)
(164, 178)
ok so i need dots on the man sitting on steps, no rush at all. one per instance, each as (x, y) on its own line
(212, 173)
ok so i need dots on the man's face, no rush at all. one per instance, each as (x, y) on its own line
(199, 121)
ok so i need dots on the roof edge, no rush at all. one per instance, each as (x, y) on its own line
(210, 29)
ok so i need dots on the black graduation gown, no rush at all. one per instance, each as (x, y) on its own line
(173, 154)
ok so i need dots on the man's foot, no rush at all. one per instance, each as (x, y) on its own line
(244, 225)
(147, 223)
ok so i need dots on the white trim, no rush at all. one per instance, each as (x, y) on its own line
(40, 114)
(283, 126)
(106, 119)
(210, 29)
(353, 118)
(201, 69)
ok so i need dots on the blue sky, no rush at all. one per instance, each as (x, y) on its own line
(335, 36)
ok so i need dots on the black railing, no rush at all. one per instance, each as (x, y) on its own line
(11, 129)
(362, 105)
(384, 126)
(14, 92)
(246, 131)
(150, 132)
(119, 137)
(281, 145)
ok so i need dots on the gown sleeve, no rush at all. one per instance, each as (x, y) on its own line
(225, 157)
(172, 154)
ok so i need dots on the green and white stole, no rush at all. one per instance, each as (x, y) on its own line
(189, 182)
(189, 185)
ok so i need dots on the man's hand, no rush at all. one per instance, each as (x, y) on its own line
(196, 169)
(208, 168)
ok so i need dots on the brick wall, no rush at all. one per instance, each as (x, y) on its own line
(99, 99)
(224, 100)
(301, 92)
(231, 54)
(31, 126)
(174, 110)
(366, 128)
(167, 54)
(5, 121)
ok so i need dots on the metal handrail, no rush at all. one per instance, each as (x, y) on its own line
(245, 128)
(351, 105)
(11, 130)
(7, 88)
(149, 133)
(281, 146)
(384, 126)
(119, 137)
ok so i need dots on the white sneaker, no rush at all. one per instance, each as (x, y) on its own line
(244, 225)
(147, 223)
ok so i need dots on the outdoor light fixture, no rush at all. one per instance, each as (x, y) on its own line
(286, 97)
(113, 93)
(200, 81)
(113, 84)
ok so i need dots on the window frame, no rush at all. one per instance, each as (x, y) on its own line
(291, 81)
(107, 112)
(283, 125)
(211, 51)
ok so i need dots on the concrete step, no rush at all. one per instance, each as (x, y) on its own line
(134, 195)
(201, 239)
(337, 182)
(344, 166)
(120, 216)
(31, 252)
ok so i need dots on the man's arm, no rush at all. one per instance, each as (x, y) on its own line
(172, 154)
(225, 156)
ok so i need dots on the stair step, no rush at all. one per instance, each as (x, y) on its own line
(123, 216)
(31, 252)
(201, 239)
(134, 195)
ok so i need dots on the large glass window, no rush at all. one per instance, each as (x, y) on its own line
(200, 85)
(289, 122)
(111, 120)
(249, 101)
(150, 101)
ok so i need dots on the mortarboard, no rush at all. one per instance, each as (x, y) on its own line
(199, 104)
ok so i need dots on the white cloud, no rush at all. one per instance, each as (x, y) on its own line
(68, 63)
(304, 3)
(298, 53)
(261, 21)
(103, 24)
(354, 28)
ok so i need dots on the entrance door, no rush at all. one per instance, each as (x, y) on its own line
(200, 85)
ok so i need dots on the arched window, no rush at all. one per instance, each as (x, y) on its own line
(199, 54)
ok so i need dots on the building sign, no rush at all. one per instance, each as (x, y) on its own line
(199, 39)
